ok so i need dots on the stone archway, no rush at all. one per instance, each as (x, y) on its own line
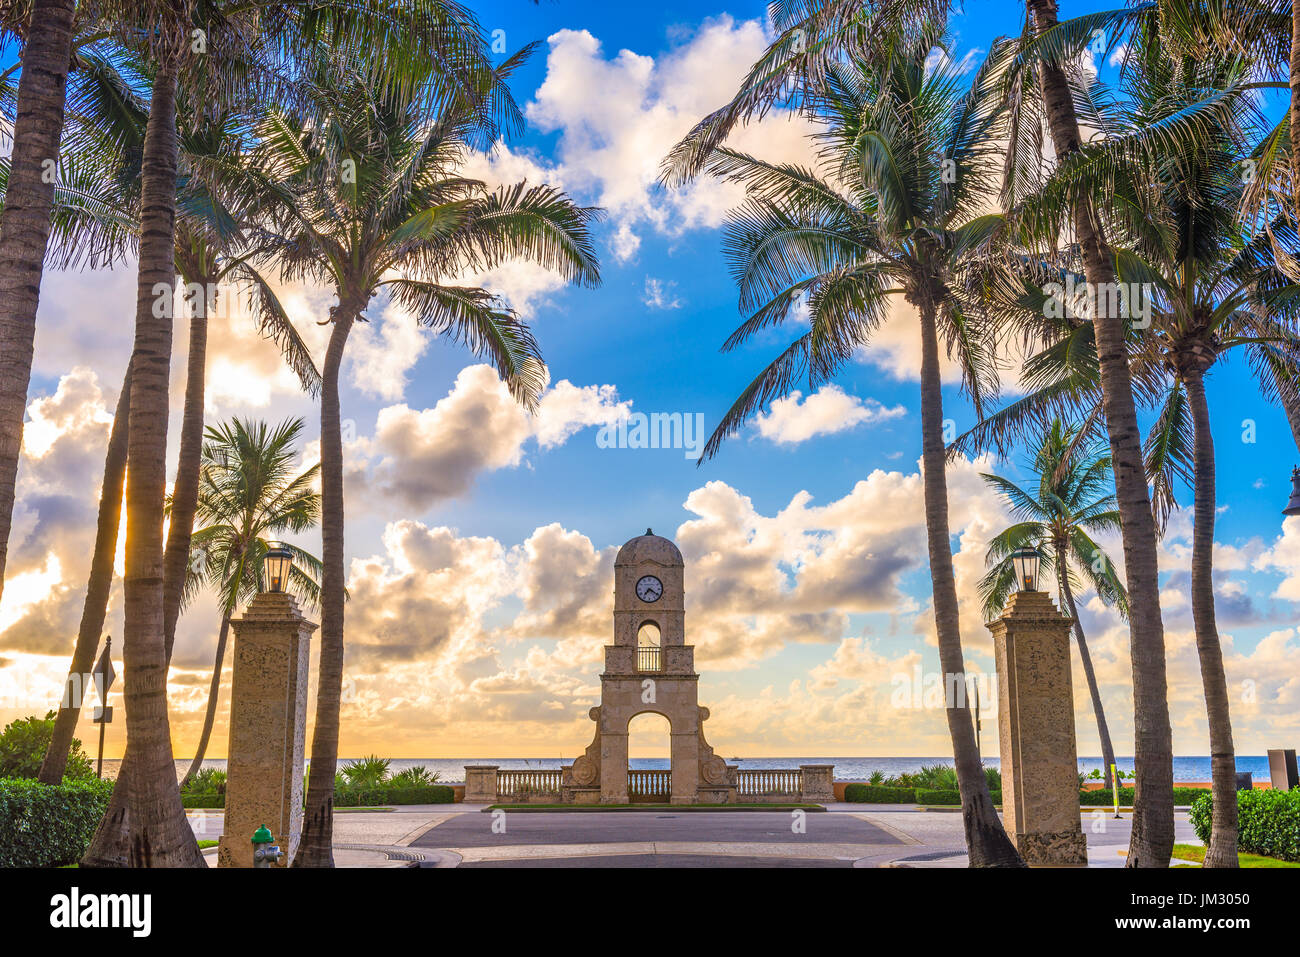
(649, 785)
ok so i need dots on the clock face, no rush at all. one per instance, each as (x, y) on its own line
(649, 588)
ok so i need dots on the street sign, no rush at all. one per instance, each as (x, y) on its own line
(102, 714)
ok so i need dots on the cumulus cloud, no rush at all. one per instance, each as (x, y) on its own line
(618, 117)
(425, 456)
(830, 409)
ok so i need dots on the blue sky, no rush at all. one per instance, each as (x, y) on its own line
(476, 630)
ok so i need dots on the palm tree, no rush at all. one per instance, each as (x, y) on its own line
(1175, 205)
(1070, 499)
(95, 211)
(1042, 87)
(379, 205)
(249, 492)
(25, 225)
(249, 50)
(891, 211)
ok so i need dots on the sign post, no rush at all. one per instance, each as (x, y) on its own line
(104, 676)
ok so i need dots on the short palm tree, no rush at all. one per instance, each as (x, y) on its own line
(906, 155)
(1071, 499)
(250, 493)
(378, 204)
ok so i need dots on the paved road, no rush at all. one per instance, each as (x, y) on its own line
(598, 827)
(843, 836)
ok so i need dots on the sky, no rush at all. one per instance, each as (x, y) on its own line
(480, 540)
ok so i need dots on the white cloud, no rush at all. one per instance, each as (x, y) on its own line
(659, 294)
(619, 117)
(425, 456)
(830, 409)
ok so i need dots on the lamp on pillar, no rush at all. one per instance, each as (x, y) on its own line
(1026, 561)
(1293, 506)
(1040, 787)
(277, 563)
(268, 719)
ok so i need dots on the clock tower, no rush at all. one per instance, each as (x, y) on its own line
(649, 667)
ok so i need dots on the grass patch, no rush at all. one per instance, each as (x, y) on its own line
(1196, 852)
(653, 807)
(204, 845)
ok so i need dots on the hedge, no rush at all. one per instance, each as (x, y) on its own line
(1268, 822)
(349, 797)
(875, 794)
(49, 825)
(1102, 797)
(937, 797)
(365, 797)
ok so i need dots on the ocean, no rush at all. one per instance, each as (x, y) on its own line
(452, 770)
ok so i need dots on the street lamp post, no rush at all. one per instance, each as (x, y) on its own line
(1293, 506)
(1026, 562)
(268, 720)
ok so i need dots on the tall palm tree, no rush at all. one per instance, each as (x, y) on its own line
(379, 205)
(25, 224)
(95, 214)
(1174, 208)
(904, 162)
(248, 493)
(1043, 81)
(248, 50)
(1071, 498)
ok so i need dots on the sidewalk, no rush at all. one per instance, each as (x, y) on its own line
(362, 838)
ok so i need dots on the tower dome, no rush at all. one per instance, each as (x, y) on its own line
(649, 547)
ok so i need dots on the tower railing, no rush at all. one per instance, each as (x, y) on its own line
(647, 658)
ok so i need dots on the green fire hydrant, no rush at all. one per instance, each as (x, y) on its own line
(265, 854)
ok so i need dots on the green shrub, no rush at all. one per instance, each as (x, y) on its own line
(1268, 822)
(928, 796)
(1102, 797)
(997, 797)
(22, 749)
(208, 781)
(203, 800)
(367, 797)
(367, 772)
(416, 777)
(351, 797)
(49, 825)
(994, 777)
(875, 794)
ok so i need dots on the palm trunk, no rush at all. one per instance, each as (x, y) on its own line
(212, 702)
(95, 606)
(158, 834)
(109, 850)
(1103, 732)
(316, 846)
(1295, 103)
(986, 842)
(25, 227)
(1222, 851)
(1290, 396)
(1152, 839)
(185, 492)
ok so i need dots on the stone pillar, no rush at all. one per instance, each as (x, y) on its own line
(684, 760)
(818, 782)
(481, 783)
(1040, 784)
(613, 765)
(268, 727)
